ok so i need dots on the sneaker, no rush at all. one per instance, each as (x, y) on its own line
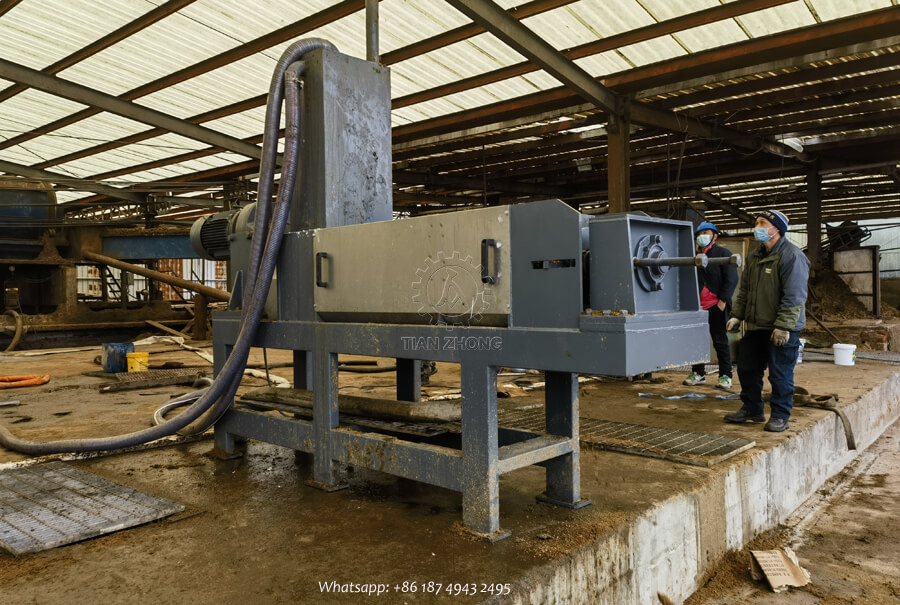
(694, 379)
(776, 425)
(724, 382)
(742, 416)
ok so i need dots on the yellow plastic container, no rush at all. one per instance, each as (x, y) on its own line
(138, 362)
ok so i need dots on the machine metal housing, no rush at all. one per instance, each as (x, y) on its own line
(483, 288)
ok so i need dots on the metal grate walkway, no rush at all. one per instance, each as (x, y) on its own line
(698, 449)
(53, 504)
(128, 381)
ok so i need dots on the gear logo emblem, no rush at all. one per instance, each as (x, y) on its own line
(449, 289)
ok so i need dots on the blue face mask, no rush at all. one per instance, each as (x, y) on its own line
(703, 240)
(762, 234)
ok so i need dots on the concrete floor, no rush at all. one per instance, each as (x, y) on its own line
(253, 532)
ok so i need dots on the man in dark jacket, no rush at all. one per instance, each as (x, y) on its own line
(717, 283)
(770, 300)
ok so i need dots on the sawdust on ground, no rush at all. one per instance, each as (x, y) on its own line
(734, 569)
(830, 298)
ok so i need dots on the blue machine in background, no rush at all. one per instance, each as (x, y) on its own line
(40, 256)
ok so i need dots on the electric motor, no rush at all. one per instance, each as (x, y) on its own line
(212, 235)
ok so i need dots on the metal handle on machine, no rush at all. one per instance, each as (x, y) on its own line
(486, 265)
(320, 256)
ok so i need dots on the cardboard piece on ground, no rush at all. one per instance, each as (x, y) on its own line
(779, 567)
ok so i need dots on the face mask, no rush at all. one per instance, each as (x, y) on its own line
(762, 234)
(703, 240)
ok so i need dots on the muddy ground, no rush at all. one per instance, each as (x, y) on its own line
(846, 537)
(253, 532)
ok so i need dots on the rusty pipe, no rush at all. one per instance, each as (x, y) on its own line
(178, 282)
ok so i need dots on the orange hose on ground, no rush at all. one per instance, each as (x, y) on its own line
(9, 382)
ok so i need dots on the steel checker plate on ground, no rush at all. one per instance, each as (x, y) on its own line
(53, 504)
(698, 449)
(160, 374)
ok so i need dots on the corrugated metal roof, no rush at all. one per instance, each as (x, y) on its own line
(37, 33)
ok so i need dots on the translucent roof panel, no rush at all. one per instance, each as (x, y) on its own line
(711, 35)
(38, 34)
(835, 9)
(33, 108)
(179, 47)
(777, 18)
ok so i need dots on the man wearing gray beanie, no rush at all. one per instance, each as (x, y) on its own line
(771, 300)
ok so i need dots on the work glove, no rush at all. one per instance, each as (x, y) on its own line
(733, 325)
(780, 337)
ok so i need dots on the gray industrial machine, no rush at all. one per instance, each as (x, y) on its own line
(485, 288)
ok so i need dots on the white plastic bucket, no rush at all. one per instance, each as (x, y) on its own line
(800, 350)
(844, 354)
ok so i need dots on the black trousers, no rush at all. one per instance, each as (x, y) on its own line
(717, 321)
(758, 353)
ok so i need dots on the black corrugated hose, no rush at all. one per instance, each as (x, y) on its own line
(210, 404)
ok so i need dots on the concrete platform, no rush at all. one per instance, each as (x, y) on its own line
(252, 532)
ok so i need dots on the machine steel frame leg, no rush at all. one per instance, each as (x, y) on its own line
(325, 418)
(473, 470)
(409, 380)
(480, 459)
(223, 441)
(303, 364)
(564, 472)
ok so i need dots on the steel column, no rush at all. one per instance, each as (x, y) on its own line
(480, 466)
(325, 417)
(618, 160)
(409, 379)
(564, 472)
(303, 367)
(223, 441)
(814, 216)
(372, 31)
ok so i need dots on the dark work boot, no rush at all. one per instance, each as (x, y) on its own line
(742, 416)
(776, 425)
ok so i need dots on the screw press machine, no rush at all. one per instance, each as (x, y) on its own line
(484, 288)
